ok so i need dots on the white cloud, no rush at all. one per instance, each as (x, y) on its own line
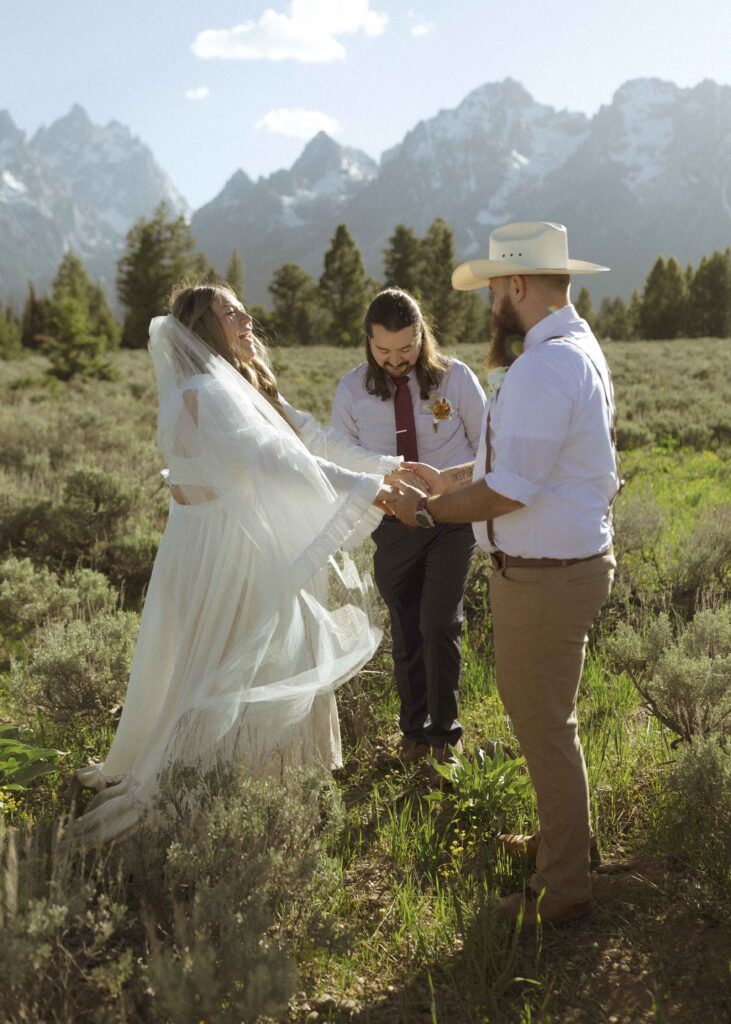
(422, 28)
(202, 92)
(308, 33)
(298, 123)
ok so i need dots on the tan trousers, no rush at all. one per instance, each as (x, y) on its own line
(541, 619)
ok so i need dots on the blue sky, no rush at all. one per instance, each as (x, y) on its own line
(208, 98)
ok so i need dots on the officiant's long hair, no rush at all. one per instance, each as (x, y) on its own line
(395, 309)
(192, 305)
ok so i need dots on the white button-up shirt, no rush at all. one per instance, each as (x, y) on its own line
(371, 422)
(552, 448)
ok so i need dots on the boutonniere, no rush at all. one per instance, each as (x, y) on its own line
(440, 409)
(495, 379)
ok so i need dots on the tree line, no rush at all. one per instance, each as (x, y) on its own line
(76, 328)
(675, 303)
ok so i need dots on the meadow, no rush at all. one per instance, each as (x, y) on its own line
(369, 897)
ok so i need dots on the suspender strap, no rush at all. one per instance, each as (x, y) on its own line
(488, 466)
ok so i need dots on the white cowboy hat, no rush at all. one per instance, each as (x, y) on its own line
(533, 247)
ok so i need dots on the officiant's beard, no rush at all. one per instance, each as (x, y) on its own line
(506, 336)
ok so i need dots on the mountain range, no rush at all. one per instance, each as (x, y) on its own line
(648, 174)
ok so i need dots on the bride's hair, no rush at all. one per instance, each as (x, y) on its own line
(192, 305)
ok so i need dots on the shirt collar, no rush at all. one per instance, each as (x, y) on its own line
(556, 325)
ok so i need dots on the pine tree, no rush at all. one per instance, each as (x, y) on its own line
(343, 289)
(613, 320)
(402, 260)
(73, 348)
(440, 299)
(34, 320)
(72, 280)
(585, 307)
(472, 319)
(10, 334)
(101, 318)
(295, 313)
(235, 274)
(664, 309)
(634, 312)
(160, 253)
(453, 313)
(709, 302)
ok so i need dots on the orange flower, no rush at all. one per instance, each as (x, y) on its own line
(440, 409)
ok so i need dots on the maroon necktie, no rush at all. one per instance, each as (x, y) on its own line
(405, 426)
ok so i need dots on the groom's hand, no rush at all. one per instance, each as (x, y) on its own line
(409, 476)
(431, 478)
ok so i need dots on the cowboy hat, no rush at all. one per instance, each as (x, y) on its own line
(533, 247)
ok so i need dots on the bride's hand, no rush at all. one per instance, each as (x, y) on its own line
(382, 498)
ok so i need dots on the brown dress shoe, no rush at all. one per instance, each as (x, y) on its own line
(411, 751)
(546, 909)
(516, 846)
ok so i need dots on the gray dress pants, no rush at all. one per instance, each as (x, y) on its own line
(421, 575)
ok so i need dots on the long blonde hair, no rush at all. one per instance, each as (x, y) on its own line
(192, 305)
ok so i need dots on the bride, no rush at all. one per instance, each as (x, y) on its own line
(250, 622)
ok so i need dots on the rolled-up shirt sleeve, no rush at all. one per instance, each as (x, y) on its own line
(529, 426)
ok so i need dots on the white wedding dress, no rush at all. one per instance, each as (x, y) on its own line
(250, 621)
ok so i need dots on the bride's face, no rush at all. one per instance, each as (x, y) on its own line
(236, 324)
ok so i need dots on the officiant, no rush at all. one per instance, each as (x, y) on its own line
(409, 399)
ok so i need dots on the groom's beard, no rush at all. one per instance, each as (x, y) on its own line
(506, 336)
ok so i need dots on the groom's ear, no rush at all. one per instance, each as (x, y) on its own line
(518, 287)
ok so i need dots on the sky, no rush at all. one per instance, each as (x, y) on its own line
(226, 84)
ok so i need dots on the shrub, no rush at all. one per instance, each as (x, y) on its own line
(69, 932)
(218, 884)
(30, 595)
(633, 435)
(94, 505)
(233, 865)
(697, 812)
(93, 511)
(684, 677)
(706, 558)
(129, 559)
(79, 672)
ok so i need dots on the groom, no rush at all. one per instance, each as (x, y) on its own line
(543, 483)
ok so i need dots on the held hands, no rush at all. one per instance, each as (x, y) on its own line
(384, 497)
(429, 479)
(404, 489)
(405, 503)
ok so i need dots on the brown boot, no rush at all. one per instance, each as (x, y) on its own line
(546, 909)
(411, 751)
(517, 846)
